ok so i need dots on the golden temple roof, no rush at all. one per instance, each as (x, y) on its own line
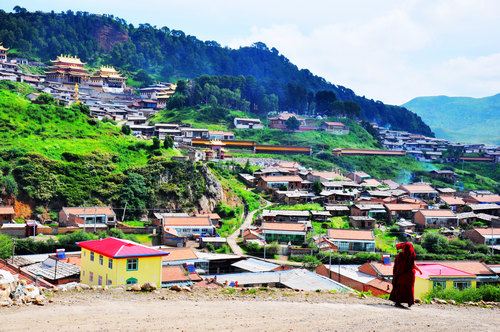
(69, 59)
(2, 48)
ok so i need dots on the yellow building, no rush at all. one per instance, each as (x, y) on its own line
(443, 277)
(115, 262)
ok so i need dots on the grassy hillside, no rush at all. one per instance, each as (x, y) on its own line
(53, 156)
(461, 119)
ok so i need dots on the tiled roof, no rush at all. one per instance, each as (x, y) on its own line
(437, 213)
(47, 269)
(451, 200)
(7, 210)
(89, 210)
(180, 254)
(187, 221)
(402, 207)
(431, 270)
(291, 178)
(488, 231)
(350, 234)
(282, 226)
(118, 248)
(418, 188)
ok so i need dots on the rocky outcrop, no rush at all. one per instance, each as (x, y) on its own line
(214, 192)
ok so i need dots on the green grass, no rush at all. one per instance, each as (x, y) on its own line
(384, 242)
(483, 293)
(334, 222)
(298, 207)
(51, 131)
(143, 239)
(134, 223)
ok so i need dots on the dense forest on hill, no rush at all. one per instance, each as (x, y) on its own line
(171, 54)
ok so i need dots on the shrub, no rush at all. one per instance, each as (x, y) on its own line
(6, 244)
(482, 293)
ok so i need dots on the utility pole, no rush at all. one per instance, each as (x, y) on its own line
(95, 219)
(124, 209)
(55, 269)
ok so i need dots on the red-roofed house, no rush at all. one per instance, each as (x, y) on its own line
(435, 218)
(190, 226)
(284, 232)
(352, 240)
(489, 236)
(440, 276)
(420, 190)
(287, 182)
(112, 262)
(6, 214)
(336, 128)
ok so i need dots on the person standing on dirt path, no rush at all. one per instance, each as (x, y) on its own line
(403, 275)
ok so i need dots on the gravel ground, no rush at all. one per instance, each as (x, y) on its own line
(251, 310)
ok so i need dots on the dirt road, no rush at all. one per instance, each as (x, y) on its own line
(142, 312)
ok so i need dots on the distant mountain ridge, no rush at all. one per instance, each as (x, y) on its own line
(169, 54)
(461, 119)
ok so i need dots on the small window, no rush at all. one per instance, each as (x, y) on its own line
(109, 282)
(92, 256)
(91, 276)
(131, 281)
(460, 285)
(101, 260)
(110, 263)
(132, 264)
(439, 284)
(99, 280)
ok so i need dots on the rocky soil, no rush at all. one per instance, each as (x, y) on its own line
(237, 310)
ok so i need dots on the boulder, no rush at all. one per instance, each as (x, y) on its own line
(148, 287)
(176, 288)
(134, 288)
(84, 286)
(39, 300)
(186, 289)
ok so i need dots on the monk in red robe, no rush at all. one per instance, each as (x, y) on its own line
(403, 279)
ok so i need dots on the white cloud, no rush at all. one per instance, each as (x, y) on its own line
(404, 52)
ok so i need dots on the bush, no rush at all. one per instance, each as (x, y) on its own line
(482, 293)
(6, 244)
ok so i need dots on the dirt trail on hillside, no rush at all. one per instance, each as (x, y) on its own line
(142, 312)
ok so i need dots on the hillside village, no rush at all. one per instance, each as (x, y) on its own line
(305, 229)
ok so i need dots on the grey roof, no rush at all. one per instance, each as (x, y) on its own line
(361, 218)
(47, 269)
(488, 206)
(299, 279)
(336, 208)
(255, 265)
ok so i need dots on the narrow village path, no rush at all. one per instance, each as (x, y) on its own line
(247, 222)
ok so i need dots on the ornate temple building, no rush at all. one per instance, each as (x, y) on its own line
(67, 69)
(109, 79)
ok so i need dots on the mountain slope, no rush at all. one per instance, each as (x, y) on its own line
(463, 119)
(170, 54)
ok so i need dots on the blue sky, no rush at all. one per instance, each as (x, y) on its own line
(386, 49)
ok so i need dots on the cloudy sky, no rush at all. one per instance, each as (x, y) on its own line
(391, 50)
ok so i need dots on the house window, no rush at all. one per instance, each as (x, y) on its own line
(92, 256)
(99, 280)
(131, 281)
(132, 264)
(110, 263)
(101, 260)
(109, 282)
(461, 285)
(91, 276)
(439, 284)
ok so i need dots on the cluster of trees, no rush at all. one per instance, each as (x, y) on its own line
(168, 53)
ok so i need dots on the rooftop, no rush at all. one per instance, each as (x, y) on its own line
(187, 221)
(287, 178)
(350, 234)
(437, 213)
(419, 188)
(282, 226)
(180, 254)
(118, 248)
(439, 270)
(7, 210)
(255, 265)
(89, 210)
